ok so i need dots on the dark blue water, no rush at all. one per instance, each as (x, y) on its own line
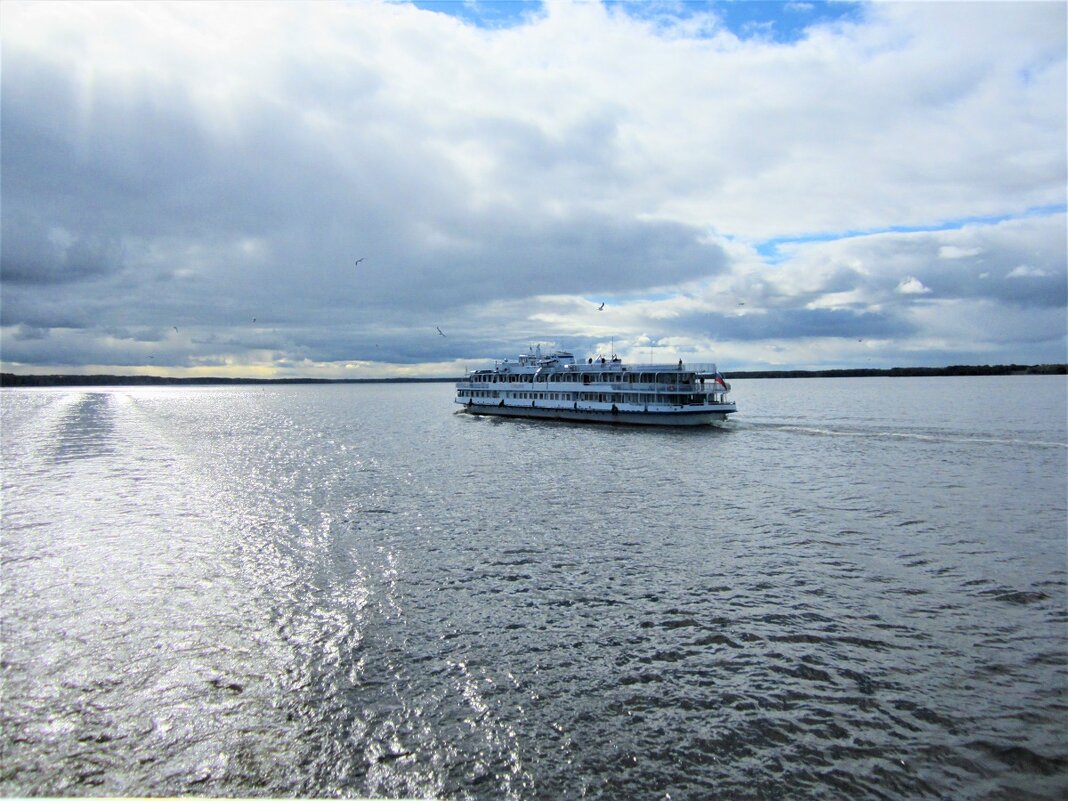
(858, 589)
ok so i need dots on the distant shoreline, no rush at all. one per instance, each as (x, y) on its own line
(13, 380)
(895, 372)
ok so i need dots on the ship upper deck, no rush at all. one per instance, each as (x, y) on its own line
(595, 367)
(607, 374)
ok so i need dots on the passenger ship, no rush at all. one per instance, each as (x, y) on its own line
(602, 390)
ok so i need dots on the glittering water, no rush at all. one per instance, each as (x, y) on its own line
(855, 590)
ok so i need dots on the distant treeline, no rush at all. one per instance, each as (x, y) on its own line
(956, 369)
(12, 380)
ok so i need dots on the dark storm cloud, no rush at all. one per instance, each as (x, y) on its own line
(25, 333)
(65, 347)
(785, 324)
(31, 254)
(520, 257)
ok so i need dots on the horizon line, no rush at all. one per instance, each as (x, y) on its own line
(14, 380)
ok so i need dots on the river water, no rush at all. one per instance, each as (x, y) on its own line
(856, 589)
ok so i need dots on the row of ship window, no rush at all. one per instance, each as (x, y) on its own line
(597, 397)
(587, 378)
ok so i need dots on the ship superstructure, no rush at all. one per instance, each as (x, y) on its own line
(600, 389)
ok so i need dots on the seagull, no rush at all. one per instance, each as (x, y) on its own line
(175, 328)
(357, 264)
(440, 331)
(601, 307)
(253, 319)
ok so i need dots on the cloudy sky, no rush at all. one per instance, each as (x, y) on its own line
(186, 188)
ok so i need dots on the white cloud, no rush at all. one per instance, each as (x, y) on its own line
(1023, 271)
(840, 300)
(955, 252)
(912, 286)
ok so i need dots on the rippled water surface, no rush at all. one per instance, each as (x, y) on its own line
(857, 589)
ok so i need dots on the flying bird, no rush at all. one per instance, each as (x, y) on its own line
(175, 328)
(440, 331)
(601, 307)
(357, 264)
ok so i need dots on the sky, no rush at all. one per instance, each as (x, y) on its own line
(371, 189)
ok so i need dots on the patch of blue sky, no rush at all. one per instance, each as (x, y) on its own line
(782, 22)
(769, 248)
(485, 13)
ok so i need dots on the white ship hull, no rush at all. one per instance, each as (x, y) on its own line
(664, 417)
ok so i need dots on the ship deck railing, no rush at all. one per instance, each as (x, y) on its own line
(659, 401)
(690, 388)
(700, 368)
(637, 367)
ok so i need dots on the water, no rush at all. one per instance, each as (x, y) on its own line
(858, 589)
